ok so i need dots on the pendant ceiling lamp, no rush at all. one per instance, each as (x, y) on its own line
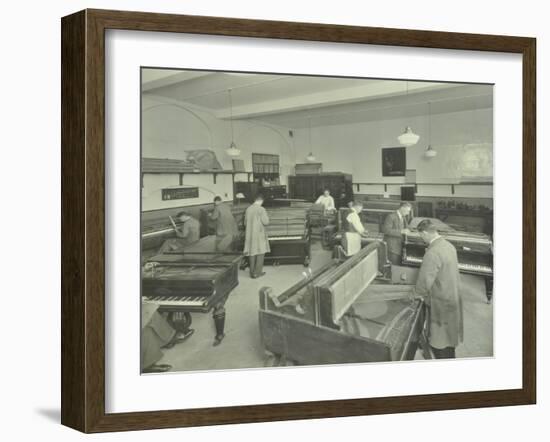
(310, 157)
(408, 138)
(232, 151)
(430, 151)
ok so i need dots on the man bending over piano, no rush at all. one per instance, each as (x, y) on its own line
(256, 243)
(157, 333)
(226, 226)
(438, 283)
(186, 233)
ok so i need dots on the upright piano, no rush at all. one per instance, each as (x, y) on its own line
(341, 313)
(289, 236)
(474, 252)
(197, 279)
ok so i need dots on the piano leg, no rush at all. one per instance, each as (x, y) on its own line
(219, 321)
(489, 288)
(180, 321)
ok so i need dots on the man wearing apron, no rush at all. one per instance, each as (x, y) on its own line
(352, 238)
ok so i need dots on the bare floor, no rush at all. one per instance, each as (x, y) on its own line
(242, 346)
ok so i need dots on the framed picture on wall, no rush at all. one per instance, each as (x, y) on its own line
(394, 161)
(222, 87)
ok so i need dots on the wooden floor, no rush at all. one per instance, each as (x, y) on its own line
(242, 347)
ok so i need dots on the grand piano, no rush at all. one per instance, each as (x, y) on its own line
(342, 313)
(474, 251)
(197, 279)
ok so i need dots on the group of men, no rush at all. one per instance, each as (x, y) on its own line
(438, 278)
(256, 242)
(156, 332)
(188, 230)
(437, 282)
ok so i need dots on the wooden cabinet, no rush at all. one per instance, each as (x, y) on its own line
(310, 187)
(250, 190)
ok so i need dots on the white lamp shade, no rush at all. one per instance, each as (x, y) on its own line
(430, 153)
(408, 138)
(233, 151)
(311, 157)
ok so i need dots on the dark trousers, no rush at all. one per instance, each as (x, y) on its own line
(224, 243)
(256, 263)
(444, 353)
(394, 258)
(154, 335)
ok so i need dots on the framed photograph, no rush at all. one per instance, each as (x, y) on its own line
(193, 294)
(394, 161)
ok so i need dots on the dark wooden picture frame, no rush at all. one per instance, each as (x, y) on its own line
(394, 161)
(83, 219)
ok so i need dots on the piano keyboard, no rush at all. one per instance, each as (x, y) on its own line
(283, 238)
(475, 268)
(178, 301)
(461, 266)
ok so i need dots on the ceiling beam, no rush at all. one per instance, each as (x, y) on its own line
(333, 97)
(157, 78)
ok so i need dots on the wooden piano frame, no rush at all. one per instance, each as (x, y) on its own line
(319, 336)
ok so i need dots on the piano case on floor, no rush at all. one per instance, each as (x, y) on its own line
(342, 315)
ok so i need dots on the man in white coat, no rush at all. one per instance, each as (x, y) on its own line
(327, 201)
(256, 243)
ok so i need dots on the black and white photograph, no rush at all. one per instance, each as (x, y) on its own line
(294, 220)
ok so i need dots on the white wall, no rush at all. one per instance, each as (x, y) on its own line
(151, 193)
(30, 381)
(357, 148)
(169, 128)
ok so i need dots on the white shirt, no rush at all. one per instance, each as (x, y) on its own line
(355, 221)
(326, 201)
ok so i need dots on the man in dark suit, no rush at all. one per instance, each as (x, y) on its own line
(395, 225)
(157, 334)
(438, 283)
(226, 226)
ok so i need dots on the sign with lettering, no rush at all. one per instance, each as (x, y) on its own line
(179, 193)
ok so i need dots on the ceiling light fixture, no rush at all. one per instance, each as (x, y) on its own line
(430, 152)
(310, 157)
(408, 138)
(232, 151)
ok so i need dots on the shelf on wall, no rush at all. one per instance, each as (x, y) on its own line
(464, 183)
(181, 173)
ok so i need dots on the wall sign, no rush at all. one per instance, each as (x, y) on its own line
(180, 193)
